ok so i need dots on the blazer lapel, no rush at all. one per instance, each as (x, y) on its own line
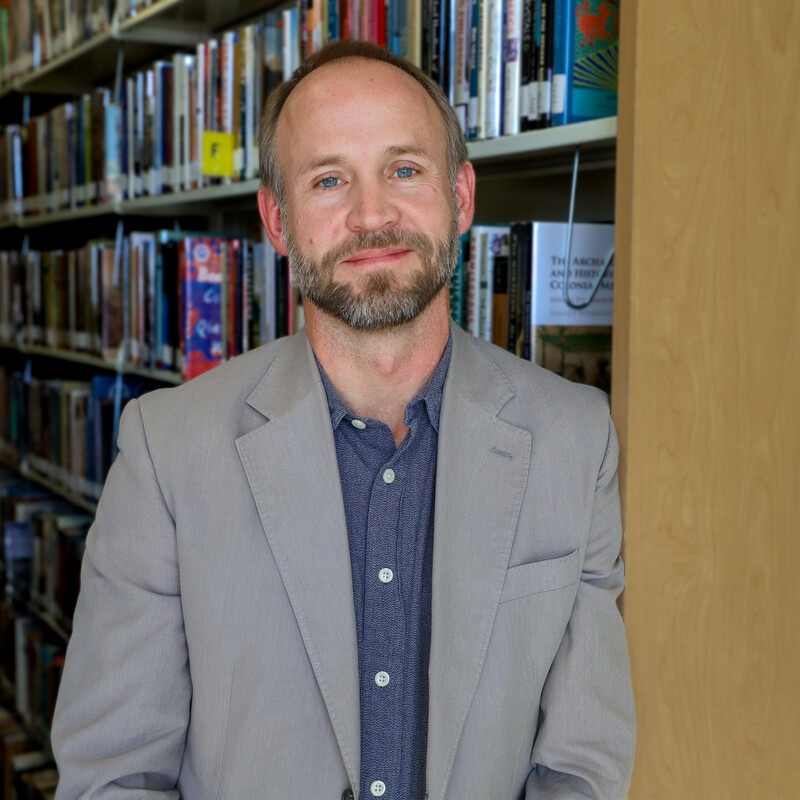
(291, 465)
(482, 470)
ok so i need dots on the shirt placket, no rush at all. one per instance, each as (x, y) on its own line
(383, 655)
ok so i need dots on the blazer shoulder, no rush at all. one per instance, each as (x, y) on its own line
(229, 383)
(537, 388)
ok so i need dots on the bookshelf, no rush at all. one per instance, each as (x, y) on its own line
(539, 153)
(519, 175)
(123, 367)
(705, 387)
(155, 31)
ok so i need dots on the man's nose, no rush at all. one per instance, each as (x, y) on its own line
(372, 207)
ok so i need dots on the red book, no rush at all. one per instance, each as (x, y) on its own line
(202, 266)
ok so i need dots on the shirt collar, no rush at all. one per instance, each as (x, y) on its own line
(430, 397)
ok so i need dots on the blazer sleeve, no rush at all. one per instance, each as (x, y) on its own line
(123, 706)
(585, 743)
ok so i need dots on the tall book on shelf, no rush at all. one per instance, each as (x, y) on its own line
(202, 269)
(574, 342)
(585, 60)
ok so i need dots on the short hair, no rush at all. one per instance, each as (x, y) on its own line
(271, 177)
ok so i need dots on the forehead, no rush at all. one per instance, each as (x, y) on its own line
(358, 99)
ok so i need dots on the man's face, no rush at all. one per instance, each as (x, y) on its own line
(370, 223)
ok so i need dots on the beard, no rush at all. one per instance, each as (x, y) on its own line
(383, 300)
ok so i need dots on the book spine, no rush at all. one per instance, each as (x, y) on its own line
(513, 67)
(494, 71)
(474, 69)
(544, 63)
(202, 277)
(563, 52)
(461, 62)
(199, 111)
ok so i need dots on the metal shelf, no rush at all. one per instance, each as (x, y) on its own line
(162, 376)
(548, 149)
(595, 134)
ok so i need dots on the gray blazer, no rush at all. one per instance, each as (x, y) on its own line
(214, 646)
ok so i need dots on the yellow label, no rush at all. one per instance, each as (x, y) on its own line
(217, 153)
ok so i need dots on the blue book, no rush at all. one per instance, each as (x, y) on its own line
(333, 20)
(474, 33)
(585, 60)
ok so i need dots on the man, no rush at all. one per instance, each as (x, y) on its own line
(375, 559)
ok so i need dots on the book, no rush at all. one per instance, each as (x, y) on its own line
(585, 60)
(544, 63)
(486, 242)
(202, 266)
(520, 277)
(461, 61)
(112, 301)
(573, 342)
(512, 58)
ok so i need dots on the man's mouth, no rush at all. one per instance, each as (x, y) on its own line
(366, 258)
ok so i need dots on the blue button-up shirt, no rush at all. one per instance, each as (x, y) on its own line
(388, 497)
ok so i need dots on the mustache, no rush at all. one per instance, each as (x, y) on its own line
(375, 241)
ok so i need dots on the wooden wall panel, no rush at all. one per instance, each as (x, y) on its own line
(707, 393)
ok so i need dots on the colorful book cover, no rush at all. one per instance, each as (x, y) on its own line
(573, 342)
(203, 265)
(586, 60)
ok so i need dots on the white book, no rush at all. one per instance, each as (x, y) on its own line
(228, 79)
(592, 245)
(493, 112)
(572, 339)
(513, 68)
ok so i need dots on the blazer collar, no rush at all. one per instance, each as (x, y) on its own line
(290, 376)
(291, 466)
(482, 471)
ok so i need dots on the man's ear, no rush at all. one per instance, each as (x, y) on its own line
(465, 197)
(270, 213)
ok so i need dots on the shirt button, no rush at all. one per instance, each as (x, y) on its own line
(357, 423)
(378, 788)
(388, 475)
(382, 678)
(385, 575)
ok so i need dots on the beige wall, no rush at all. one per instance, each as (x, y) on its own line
(707, 393)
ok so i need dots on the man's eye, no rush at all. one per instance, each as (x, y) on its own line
(405, 172)
(329, 183)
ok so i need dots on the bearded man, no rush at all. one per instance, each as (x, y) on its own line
(378, 558)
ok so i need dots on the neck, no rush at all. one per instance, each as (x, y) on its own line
(377, 373)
